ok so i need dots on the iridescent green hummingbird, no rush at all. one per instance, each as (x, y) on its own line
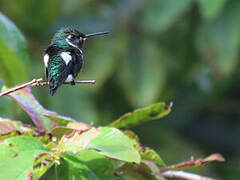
(63, 58)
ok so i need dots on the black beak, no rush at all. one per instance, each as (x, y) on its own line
(96, 34)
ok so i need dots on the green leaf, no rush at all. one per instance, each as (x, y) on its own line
(42, 170)
(17, 156)
(10, 128)
(139, 116)
(13, 53)
(61, 120)
(98, 163)
(142, 73)
(151, 155)
(136, 172)
(59, 132)
(211, 9)
(32, 107)
(70, 168)
(113, 143)
(161, 14)
(89, 165)
(146, 153)
(77, 140)
(108, 141)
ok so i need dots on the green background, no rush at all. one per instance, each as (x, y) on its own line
(185, 51)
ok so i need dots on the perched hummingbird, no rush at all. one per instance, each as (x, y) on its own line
(63, 58)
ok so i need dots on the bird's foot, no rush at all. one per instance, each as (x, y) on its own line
(72, 82)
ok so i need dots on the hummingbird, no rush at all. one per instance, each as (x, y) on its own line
(63, 58)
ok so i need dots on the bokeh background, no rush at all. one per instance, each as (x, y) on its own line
(185, 51)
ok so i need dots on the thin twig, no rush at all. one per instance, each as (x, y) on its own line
(39, 82)
(76, 82)
(184, 175)
(193, 163)
(21, 86)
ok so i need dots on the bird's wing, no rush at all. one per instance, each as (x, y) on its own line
(46, 57)
(58, 72)
(77, 64)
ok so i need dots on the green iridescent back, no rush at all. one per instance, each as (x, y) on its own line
(56, 69)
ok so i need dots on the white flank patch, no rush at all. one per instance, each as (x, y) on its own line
(46, 59)
(73, 45)
(69, 78)
(66, 57)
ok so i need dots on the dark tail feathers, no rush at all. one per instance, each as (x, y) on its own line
(53, 86)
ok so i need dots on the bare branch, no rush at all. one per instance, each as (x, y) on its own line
(193, 163)
(39, 82)
(184, 175)
(21, 86)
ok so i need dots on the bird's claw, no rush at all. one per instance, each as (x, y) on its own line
(73, 83)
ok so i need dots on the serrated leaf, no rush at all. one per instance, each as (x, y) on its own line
(211, 9)
(17, 156)
(113, 143)
(161, 14)
(13, 53)
(139, 116)
(35, 110)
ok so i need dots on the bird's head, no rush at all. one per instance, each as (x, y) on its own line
(72, 37)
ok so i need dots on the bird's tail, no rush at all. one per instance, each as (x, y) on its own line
(58, 74)
(53, 88)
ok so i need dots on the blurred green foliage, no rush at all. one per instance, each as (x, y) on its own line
(12, 51)
(182, 51)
